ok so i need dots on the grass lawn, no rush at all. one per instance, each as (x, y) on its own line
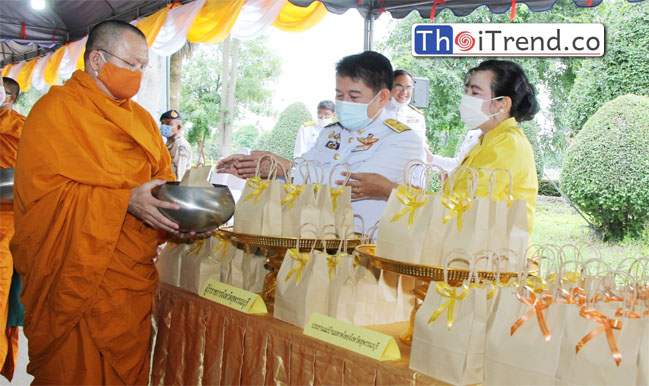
(556, 222)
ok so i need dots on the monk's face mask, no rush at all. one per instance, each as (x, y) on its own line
(122, 83)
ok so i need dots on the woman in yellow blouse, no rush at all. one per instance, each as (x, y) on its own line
(498, 97)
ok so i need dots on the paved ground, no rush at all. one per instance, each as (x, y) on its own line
(20, 376)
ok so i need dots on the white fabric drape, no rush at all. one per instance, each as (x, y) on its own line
(71, 57)
(255, 18)
(15, 70)
(173, 34)
(39, 69)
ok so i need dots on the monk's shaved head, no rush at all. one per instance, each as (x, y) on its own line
(105, 34)
(11, 86)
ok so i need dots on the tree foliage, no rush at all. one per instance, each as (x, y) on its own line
(281, 140)
(201, 87)
(245, 137)
(624, 69)
(606, 169)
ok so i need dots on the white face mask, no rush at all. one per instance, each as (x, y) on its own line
(324, 122)
(471, 111)
(399, 105)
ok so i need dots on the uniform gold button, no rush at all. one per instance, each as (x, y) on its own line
(351, 140)
(360, 131)
(336, 156)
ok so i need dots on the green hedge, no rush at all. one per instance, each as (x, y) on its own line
(606, 169)
(281, 140)
(624, 69)
(531, 129)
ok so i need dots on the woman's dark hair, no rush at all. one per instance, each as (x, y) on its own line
(372, 68)
(510, 80)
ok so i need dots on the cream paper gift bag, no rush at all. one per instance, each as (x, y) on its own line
(254, 271)
(449, 335)
(259, 209)
(297, 197)
(302, 286)
(190, 264)
(169, 261)
(524, 337)
(341, 199)
(405, 220)
(505, 221)
(453, 222)
(599, 349)
(340, 266)
(234, 270)
(643, 355)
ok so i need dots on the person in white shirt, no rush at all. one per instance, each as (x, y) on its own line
(309, 131)
(376, 146)
(399, 106)
(449, 163)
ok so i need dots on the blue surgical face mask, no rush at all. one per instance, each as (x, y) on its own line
(352, 115)
(165, 130)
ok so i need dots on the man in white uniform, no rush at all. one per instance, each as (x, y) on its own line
(400, 108)
(309, 131)
(449, 163)
(376, 146)
(179, 148)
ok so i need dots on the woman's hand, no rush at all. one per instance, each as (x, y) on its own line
(368, 185)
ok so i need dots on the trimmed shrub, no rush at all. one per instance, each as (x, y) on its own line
(531, 129)
(547, 189)
(281, 140)
(606, 169)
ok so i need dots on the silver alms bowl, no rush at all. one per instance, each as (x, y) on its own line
(7, 186)
(201, 208)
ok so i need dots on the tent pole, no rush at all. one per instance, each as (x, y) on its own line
(368, 32)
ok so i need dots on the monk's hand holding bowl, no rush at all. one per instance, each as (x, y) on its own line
(145, 207)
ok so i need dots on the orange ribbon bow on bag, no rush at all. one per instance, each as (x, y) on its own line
(537, 305)
(607, 326)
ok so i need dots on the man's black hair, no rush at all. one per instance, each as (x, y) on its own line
(370, 67)
(401, 72)
(328, 105)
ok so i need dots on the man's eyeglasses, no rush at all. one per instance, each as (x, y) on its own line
(400, 87)
(131, 66)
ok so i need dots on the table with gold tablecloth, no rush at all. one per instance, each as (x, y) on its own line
(201, 342)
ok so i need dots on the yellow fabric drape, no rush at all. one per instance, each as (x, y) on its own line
(214, 21)
(297, 19)
(51, 74)
(151, 24)
(81, 63)
(25, 75)
(6, 69)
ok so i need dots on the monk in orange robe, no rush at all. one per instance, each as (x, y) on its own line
(11, 125)
(87, 225)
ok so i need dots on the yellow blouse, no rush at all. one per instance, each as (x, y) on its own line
(506, 147)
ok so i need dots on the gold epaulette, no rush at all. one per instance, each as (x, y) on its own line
(310, 123)
(332, 123)
(396, 125)
(416, 109)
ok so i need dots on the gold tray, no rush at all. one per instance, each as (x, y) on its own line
(279, 243)
(425, 272)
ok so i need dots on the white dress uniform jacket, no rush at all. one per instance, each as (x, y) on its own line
(450, 163)
(376, 148)
(306, 137)
(181, 155)
(409, 116)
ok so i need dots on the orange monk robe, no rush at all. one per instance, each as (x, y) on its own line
(11, 125)
(86, 264)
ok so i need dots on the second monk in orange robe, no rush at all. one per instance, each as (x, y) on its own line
(11, 125)
(86, 222)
